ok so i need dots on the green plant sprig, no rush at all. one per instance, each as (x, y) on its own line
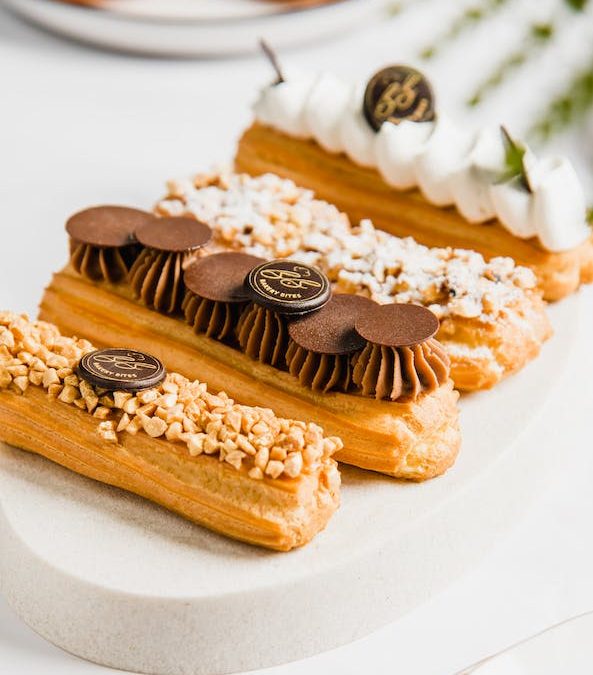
(577, 5)
(567, 108)
(514, 160)
(470, 17)
(538, 35)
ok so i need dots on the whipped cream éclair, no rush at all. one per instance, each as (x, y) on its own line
(449, 164)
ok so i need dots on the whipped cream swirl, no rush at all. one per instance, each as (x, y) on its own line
(449, 164)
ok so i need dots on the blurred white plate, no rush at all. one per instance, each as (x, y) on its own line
(195, 27)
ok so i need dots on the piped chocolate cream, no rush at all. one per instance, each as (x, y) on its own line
(171, 245)
(401, 359)
(322, 344)
(102, 241)
(215, 292)
(278, 312)
(278, 289)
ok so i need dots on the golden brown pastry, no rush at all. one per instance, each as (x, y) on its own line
(493, 320)
(115, 415)
(384, 153)
(260, 332)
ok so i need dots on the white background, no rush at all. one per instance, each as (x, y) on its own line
(79, 126)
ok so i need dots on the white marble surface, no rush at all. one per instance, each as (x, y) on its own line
(79, 126)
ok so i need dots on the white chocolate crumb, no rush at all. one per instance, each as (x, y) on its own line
(271, 217)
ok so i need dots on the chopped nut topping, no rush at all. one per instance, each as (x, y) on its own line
(250, 439)
(270, 217)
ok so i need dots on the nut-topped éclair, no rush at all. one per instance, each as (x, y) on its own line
(170, 245)
(493, 320)
(236, 469)
(103, 242)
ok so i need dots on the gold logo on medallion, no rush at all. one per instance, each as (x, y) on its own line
(124, 362)
(294, 278)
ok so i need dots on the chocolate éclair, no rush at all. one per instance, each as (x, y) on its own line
(248, 327)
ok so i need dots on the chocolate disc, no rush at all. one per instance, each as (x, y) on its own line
(174, 235)
(117, 369)
(331, 329)
(288, 287)
(397, 325)
(398, 93)
(220, 277)
(107, 226)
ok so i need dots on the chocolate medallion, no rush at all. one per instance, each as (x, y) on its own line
(107, 226)
(331, 329)
(219, 277)
(398, 93)
(288, 287)
(397, 325)
(174, 235)
(121, 369)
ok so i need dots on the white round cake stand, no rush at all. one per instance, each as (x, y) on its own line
(119, 581)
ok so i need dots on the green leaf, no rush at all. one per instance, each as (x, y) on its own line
(514, 160)
(535, 38)
(568, 108)
(469, 17)
(542, 31)
(577, 5)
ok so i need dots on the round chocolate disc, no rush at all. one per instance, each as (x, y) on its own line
(398, 93)
(220, 277)
(288, 287)
(107, 226)
(397, 325)
(174, 235)
(121, 369)
(331, 329)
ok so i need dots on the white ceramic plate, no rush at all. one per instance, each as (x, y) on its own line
(195, 28)
(101, 572)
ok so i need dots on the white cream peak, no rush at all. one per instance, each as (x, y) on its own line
(450, 165)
